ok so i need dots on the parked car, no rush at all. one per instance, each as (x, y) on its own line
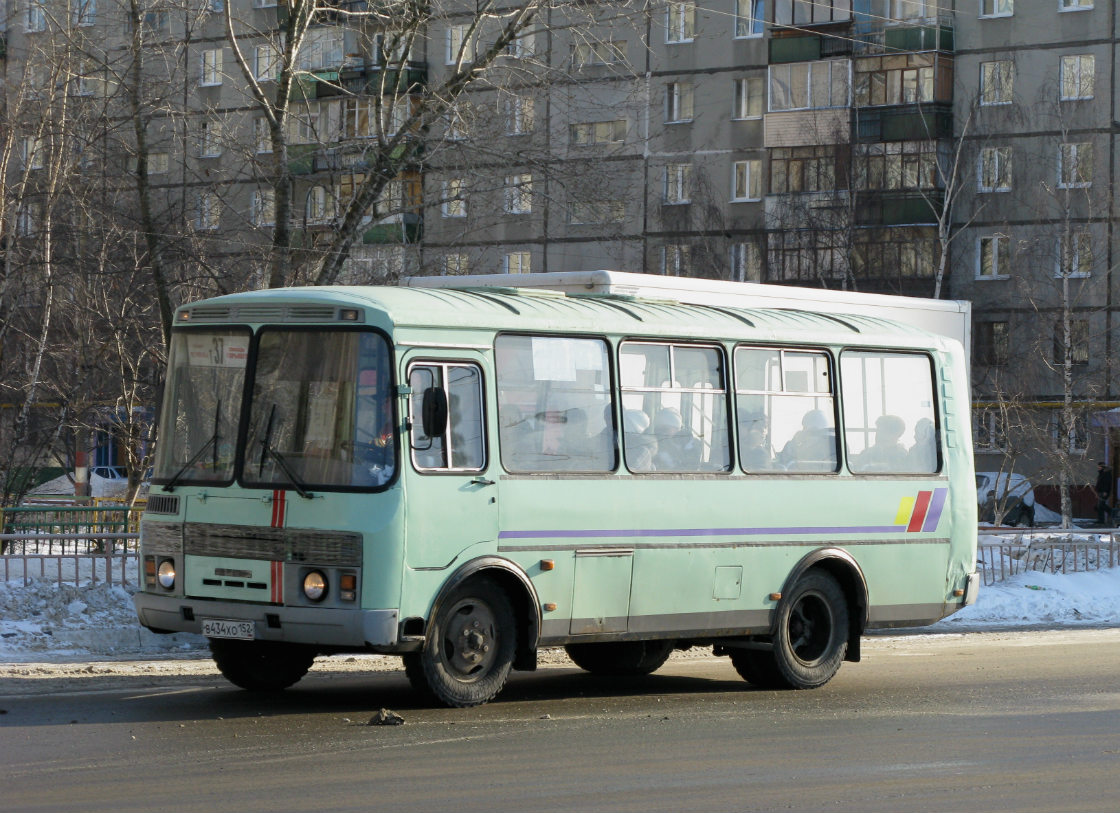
(1014, 492)
(110, 472)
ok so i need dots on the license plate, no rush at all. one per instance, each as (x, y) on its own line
(227, 628)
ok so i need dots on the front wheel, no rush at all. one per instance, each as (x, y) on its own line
(261, 666)
(470, 646)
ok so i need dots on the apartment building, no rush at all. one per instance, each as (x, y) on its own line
(953, 148)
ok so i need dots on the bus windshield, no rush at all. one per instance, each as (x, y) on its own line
(320, 411)
(205, 382)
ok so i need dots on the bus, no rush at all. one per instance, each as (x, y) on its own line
(464, 477)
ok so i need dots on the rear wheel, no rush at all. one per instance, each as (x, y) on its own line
(627, 658)
(810, 640)
(470, 646)
(261, 666)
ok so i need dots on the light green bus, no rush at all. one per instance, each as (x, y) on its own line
(464, 477)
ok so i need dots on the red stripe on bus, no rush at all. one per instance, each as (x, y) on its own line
(277, 582)
(919, 515)
(279, 503)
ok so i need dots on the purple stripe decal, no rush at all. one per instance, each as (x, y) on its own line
(935, 508)
(663, 532)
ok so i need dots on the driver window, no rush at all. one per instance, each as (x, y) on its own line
(460, 445)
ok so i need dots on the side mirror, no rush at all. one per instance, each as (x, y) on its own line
(433, 412)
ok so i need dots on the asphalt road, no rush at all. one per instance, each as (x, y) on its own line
(993, 722)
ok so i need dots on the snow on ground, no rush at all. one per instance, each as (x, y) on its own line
(47, 622)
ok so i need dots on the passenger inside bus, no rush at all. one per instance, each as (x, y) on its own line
(755, 444)
(922, 456)
(813, 447)
(886, 453)
(640, 446)
(678, 449)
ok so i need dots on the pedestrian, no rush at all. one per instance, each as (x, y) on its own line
(1104, 492)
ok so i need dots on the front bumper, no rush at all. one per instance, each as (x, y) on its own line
(321, 626)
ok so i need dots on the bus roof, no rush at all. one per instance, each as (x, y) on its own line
(521, 309)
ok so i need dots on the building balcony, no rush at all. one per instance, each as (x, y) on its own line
(359, 80)
(907, 122)
(801, 45)
(929, 34)
(898, 207)
(403, 228)
(803, 128)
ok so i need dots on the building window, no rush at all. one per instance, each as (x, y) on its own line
(997, 82)
(610, 52)
(266, 63)
(678, 102)
(678, 183)
(802, 169)
(524, 45)
(993, 346)
(212, 67)
(262, 136)
(1074, 5)
(1074, 439)
(208, 216)
(997, 8)
(995, 257)
(749, 18)
(518, 262)
(519, 115)
(746, 262)
(1078, 342)
(1075, 255)
(746, 180)
(36, 16)
(912, 9)
(264, 207)
(159, 163)
(322, 49)
(597, 132)
(597, 211)
(31, 152)
(750, 97)
(807, 12)
(912, 82)
(157, 22)
(989, 430)
(456, 264)
(896, 165)
(674, 260)
(459, 46)
(454, 198)
(519, 194)
(680, 21)
(28, 216)
(994, 170)
(307, 127)
(85, 12)
(319, 206)
(810, 85)
(1077, 74)
(1075, 165)
(209, 142)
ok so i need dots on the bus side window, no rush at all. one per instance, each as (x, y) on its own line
(461, 446)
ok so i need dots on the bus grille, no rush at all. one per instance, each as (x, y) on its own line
(337, 548)
(163, 504)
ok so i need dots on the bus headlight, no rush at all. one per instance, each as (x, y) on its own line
(315, 585)
(166, 574)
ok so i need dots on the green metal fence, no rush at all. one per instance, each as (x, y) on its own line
(61, 529)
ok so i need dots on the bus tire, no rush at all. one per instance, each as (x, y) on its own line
(621, 658)
(811, 637)
(261, 666)
(470, 646)
(758, 668)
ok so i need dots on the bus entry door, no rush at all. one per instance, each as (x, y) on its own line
(452, 499)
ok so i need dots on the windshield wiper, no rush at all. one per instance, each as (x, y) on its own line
(267, 451)
(211, 443)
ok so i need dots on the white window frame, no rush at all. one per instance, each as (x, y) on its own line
(454, 203)
(997, 82)
(266, 63)
(458, 45)
(319, 205)
(789, 75)
(518, 194)
(680, 100)
(1080, 442)
(1000, 260)
(455, 264)
(1001, 156)
(210, 68)
(28, 215)
(262, 137)
(609, 52)
(1076, 261)
(676, 189)
(898, 10)
(519, 115)
(675, 260)
(1075, 5)
(750, 19)
(209, 143)
(31, 152)
(264, 207)
(209, 214)
(994, 423)
(680, 21)
(996, 8)
(35, 18)
(746, 180)
(264, 3)
(1077, 72)
(1071, 159)
(746, 262)
(517, 262)
(591, 133)
(744, 97)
